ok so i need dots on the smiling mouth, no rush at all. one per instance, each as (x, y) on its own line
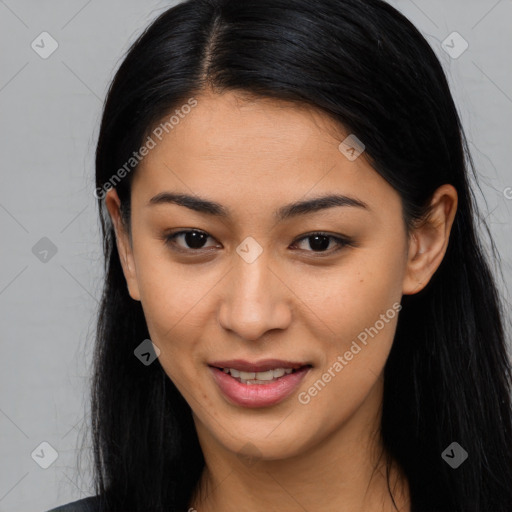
(262, 377)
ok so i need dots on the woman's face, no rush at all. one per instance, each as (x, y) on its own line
(254, 284)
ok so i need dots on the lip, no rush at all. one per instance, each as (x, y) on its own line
(258, 395)
(259, 366)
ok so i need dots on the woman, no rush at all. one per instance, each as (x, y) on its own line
(297, 312)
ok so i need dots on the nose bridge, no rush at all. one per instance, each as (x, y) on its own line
(255, 302)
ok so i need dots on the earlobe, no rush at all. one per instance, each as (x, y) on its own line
(428, 242)
(123, 243)
(413, 280)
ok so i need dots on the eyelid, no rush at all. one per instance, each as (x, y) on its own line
(340, 240)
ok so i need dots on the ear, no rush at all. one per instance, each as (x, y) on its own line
(429, 240)
(123, 242)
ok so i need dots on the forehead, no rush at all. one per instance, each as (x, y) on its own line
(256, 150)
(234, 125)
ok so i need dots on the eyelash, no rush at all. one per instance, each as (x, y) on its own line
(341, 242)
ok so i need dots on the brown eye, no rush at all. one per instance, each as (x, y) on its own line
(194, 239)
(319, 242)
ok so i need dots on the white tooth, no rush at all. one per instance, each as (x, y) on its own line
(225, 370)
(258, 377)
(268, 375)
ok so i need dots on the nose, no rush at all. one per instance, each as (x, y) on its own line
(255, 300)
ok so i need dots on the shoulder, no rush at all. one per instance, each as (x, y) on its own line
(89, 504)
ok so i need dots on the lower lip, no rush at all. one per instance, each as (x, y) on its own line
(258, 395)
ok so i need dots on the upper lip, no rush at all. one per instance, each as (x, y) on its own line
(258, 366)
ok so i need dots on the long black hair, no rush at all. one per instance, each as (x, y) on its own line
(448, 376)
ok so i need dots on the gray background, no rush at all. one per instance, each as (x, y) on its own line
(50, 112)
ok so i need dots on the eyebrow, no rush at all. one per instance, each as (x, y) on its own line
(288, 211)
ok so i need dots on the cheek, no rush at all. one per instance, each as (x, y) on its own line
(174, 302)
(344, 300)
(353, 327)
(171, 293)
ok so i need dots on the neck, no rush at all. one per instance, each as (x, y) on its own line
(346, 472)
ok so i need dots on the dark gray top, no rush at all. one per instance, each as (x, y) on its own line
(84, 505)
